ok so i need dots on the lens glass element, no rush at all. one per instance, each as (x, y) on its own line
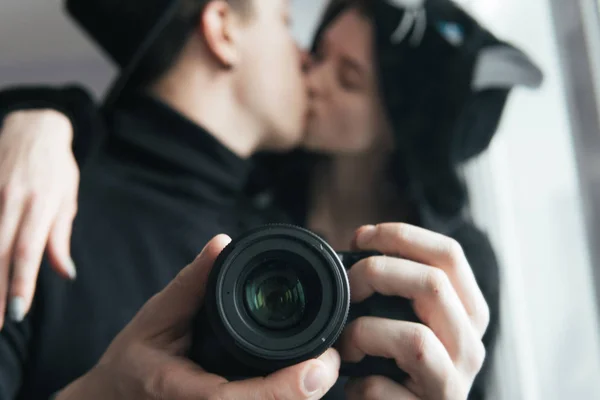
(274, 295)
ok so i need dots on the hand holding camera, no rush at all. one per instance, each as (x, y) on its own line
(280, 295)
(444, 353)
(288, 305)
(146, 360)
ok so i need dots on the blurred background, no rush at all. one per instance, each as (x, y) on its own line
(536, 192)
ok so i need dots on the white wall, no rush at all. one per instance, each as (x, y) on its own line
(525, 191)
(39, 44)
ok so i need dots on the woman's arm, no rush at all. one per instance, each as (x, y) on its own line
(45, 135)
(74, 102)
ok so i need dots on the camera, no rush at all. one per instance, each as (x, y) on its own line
(279, 295)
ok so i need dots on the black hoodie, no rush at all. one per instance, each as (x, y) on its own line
(155, 188)
(153, 192)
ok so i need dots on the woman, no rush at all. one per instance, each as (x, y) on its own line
(395, 120)
(396, 104)
(389, 122)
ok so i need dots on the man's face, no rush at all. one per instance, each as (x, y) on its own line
(270, 81)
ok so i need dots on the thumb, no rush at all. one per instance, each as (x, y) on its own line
(306, 381)
(59, 244)
(183, 297)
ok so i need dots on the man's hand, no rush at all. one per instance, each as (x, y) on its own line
(39, 180)
(146, 360)
(444, 354)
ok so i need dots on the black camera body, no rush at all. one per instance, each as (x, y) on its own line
(279, 295)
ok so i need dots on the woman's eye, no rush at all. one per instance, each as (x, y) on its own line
(349, 80)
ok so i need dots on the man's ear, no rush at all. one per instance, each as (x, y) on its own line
(219, 25)
(502, 67)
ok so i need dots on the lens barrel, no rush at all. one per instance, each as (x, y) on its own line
(277, 296)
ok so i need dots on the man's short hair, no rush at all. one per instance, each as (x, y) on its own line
(167, 48)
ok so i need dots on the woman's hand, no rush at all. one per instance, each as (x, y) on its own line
(444, 353)
(39, 181)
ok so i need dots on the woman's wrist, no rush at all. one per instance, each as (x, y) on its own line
(49, 121)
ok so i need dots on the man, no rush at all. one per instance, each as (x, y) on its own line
(225, 102)
(161, 185)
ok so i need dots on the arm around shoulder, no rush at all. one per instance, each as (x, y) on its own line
(73, 104)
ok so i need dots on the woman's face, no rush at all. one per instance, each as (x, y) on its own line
(346, 113)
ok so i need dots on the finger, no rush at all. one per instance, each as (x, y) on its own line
(27, 256)
(308, 380)
(59, 243)
(434, 300)
(432, 249)
(377, 388)
(414, 347)
(11, 210)
(181, 379)
(182, 298)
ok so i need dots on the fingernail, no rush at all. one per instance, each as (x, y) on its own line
(313, 380)
(365, 235)
(71, 270)
(16, 309)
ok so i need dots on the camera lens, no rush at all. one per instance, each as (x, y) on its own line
(274, 295)
(277, 296)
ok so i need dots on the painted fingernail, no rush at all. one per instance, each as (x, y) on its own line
(71, 270)
(365, 235)
(16, 309)
(313, 380)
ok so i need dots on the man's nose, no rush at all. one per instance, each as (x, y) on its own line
(305, 63)
(310, 74)
(304, 60)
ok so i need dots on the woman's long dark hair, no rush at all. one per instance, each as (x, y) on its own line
(423, 107)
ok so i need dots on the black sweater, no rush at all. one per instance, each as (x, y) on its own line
(166, 177)
(153, 195)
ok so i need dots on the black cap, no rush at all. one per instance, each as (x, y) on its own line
(434, 58)
(125, 29)
(434, 50)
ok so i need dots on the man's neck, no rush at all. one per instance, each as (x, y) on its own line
(210, 102)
